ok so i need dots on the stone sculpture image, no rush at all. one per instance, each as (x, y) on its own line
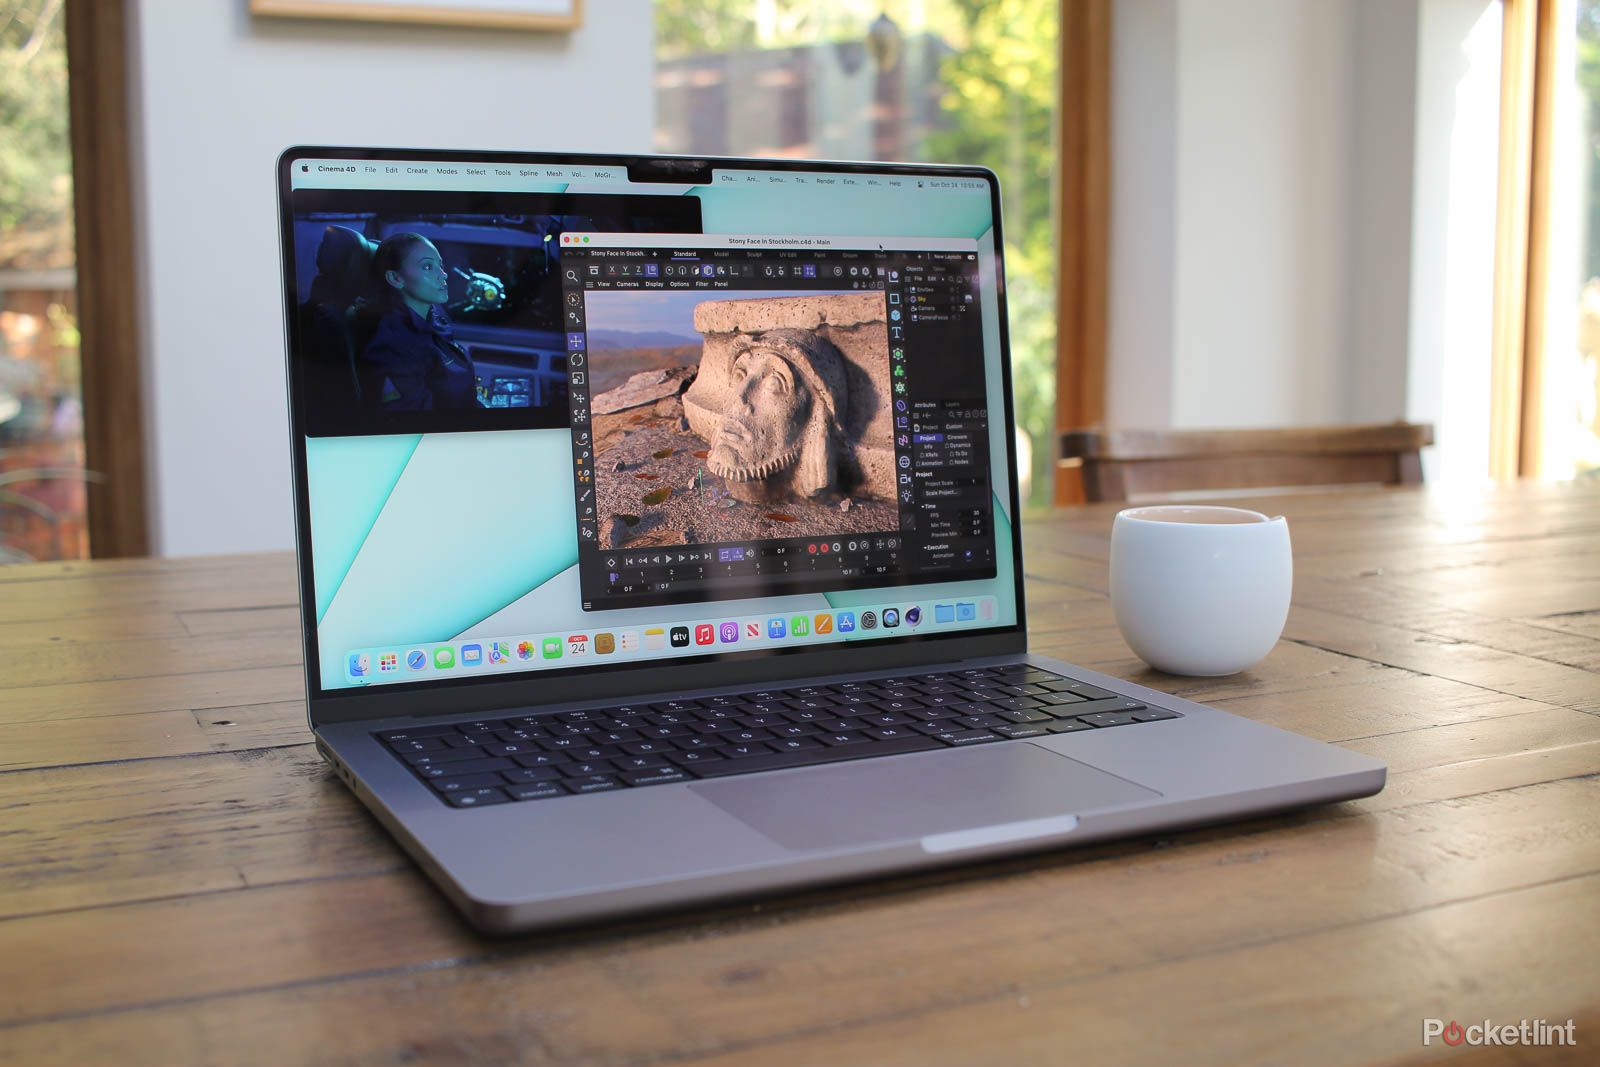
(778, 428)
(778, 424)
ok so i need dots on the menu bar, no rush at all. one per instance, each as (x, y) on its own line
(312, 172)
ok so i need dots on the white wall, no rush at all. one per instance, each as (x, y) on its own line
(1261, 219)
(1452, 273)
(217, 94)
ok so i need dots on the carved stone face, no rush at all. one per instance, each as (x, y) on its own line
(765, 426)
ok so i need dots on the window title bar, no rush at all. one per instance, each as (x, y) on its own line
(579, 241)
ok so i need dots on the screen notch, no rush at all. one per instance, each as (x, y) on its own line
(670, 171)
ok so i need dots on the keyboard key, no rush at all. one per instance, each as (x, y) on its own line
(676, 705)
(587, 769)
(464, 782)
(599, 783)
(793, 744)
(540, 759)
(1083, 689)
(418, 744)
(411, 732)
(639, 763)
(1107, 718)
(459, 767)
(699, 741)
(968, 737)
(978, 722)
(889, 733)
(1152, 714)
(537, 791)
(1014, 731)
(1067, 726)
(885, 718)
(476, 798)
(736, 752)
(647, 748)
(740, 737)
(901, 704)
(516, 748)
(1021, 690)
(528, 775)
(694, 759)
(1089, 707)
(1015, 703)
(447, 755)
(659, 776)
(842, 739)
(1025, 716)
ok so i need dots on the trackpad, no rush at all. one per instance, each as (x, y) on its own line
(909, 797)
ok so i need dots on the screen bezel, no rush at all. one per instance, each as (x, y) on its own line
(559, 685)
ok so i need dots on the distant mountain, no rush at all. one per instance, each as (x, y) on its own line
(639, 339)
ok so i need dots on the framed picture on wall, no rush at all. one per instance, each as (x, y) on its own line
(501, 14)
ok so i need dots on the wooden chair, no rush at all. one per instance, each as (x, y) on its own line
(1117, 464)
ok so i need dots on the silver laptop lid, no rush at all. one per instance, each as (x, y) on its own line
(583, 426)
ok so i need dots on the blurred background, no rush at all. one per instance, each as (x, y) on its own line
(1231, 214)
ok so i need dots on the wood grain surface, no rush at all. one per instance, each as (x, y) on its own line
(183, 881)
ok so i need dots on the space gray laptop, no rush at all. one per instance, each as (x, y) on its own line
(657, 527)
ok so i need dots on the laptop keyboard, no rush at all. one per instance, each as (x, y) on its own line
(539, 757)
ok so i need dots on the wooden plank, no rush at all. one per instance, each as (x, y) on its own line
(1397, 702)
(1492, 669)
(169, 692)
(151, 734)
(1130, 917)
(18, 638)
(153, 657)
(241, 620)
(166, 590)
(1374, 984)
(80, 836)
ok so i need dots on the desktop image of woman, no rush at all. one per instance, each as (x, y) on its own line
(412, 362)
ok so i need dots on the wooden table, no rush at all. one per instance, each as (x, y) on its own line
(182, 881)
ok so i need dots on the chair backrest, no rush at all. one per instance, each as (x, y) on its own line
(1116, 464)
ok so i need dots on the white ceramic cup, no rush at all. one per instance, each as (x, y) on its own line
(1200, 590)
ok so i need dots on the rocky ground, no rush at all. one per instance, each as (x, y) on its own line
(653, 488)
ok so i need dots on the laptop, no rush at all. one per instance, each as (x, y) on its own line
(657, 523)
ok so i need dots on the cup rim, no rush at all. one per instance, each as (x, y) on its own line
(1137, 514)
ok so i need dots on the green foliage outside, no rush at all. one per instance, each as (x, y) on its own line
(999, 107)
(35, 156)
(1588, 75)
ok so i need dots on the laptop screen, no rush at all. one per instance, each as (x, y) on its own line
(556, 420)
